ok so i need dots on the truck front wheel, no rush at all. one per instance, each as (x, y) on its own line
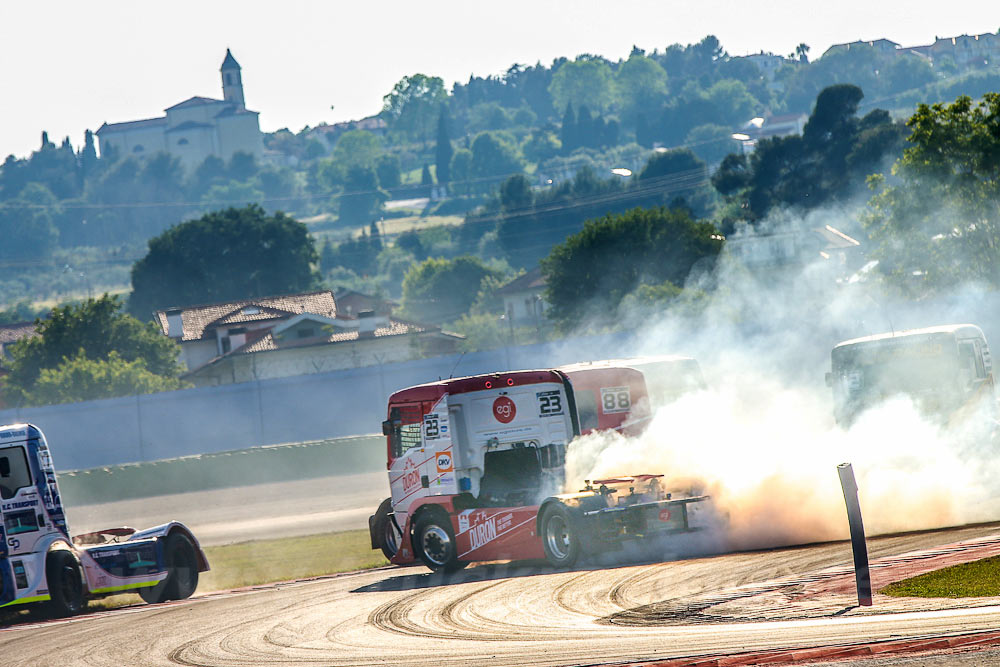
(182, 571)
(386, 532)
(560, 536)
(435, 542)
(66, 588)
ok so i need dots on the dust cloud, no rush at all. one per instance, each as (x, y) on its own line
(762, 441)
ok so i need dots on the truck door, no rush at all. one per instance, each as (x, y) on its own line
(421, 456)
(24, 524)
(23, 517)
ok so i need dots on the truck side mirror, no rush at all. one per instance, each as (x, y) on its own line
(829, 379)
(4, 467)
(387, 427)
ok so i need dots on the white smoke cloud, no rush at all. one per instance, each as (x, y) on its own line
(762, 439)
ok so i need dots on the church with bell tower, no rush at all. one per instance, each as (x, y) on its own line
(194, 129)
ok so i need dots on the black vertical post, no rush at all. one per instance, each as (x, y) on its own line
(861, 572)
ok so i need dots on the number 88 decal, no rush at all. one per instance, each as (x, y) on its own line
(615, 399)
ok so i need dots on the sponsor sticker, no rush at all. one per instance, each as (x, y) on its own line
(504, 410)
(665, 515)
(443, 460)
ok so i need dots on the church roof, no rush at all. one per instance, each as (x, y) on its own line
(230, 62)
(194, 102)
(233, 111)
(190, 125)
(131, 125)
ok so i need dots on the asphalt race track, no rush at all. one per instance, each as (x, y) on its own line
(220, 516)
(528, 614)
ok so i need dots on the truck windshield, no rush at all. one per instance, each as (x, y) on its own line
(14, 471)
(927, 369)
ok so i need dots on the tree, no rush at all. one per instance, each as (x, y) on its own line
(242, 166)
(460, 168)
(92, 330)
(586, 80)
(939, 224)
(443, 151)
(235, 253)
(82, 379)
(27, 229)
(88, 157)
(493, 156)
(212, 171)
(425, 175)
(362, 198)
(679, 167)
(357, 148)
(642, 85)
(441, 290)
(568, 133)
(829, 162)
(711, 143)
(412, 105)
(592, 271)
(389, 171)
(21, 311)
(515, 193)
(732, 102)
(802, 52)
(233, 193)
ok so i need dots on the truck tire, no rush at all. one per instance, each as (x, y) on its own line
(386, 531)
(66, 587)
(435, 543)
(182, 571)
(561, 536)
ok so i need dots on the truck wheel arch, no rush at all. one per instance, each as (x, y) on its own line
(199, 553)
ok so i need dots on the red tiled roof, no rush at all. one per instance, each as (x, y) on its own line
(267, 342)
(11, 333)
(131, 125)
(531, 280)
(196, 319)
(195, 101)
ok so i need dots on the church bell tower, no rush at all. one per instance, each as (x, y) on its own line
(232, 82)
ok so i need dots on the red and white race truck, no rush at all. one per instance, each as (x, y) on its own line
(476, 469)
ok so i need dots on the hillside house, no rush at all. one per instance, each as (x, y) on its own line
(295, 334)
(524, 299)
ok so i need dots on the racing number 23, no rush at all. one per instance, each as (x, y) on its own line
(549, 403)
(431, 427)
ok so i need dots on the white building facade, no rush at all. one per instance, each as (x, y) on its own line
(193, 129)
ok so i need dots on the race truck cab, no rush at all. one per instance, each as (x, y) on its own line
(476, 470)
(947, 370)
(40, 563)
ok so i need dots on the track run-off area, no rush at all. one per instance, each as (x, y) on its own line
(529, 614)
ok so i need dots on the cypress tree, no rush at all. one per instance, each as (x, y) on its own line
(569, 134)
(443, 151)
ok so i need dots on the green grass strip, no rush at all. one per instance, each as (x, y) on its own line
(979, 578)
(266, 561)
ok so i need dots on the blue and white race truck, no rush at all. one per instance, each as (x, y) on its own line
(40, 563)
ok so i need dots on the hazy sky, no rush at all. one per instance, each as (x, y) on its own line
(68, 65)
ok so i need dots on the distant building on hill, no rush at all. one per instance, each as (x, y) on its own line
(193, 129)
(295, 334)
(882, 46)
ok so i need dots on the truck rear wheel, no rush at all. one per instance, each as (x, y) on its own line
(386, 531)
(66, 587)
(435, 543)
(561, 537)
(182, 571)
